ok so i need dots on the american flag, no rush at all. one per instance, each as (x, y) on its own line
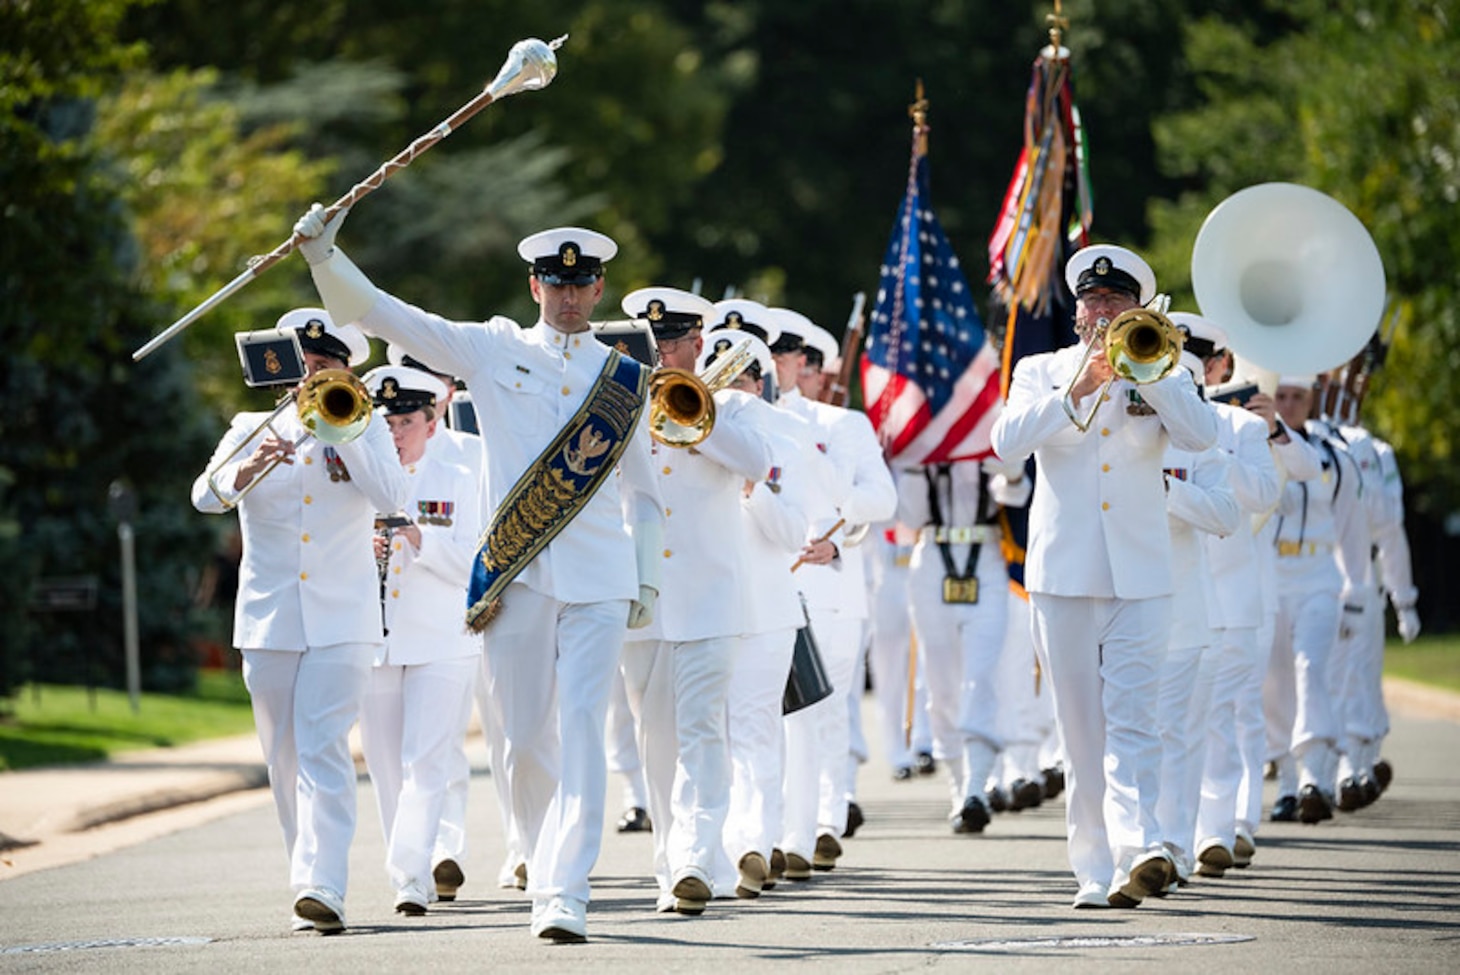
(930, 381)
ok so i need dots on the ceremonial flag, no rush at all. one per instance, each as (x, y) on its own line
(930, 381)
(1045, 218)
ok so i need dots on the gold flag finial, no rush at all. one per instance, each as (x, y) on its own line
(918, 111)
(1058, 24)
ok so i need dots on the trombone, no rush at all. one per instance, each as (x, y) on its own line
(1142, 346)
(682, 404)
(333, 406)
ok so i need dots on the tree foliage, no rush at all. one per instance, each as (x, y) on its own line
(78, 415)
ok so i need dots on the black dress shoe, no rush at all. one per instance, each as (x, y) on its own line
(855, 819)
(902, 774)
(1313, 805)
(972, 818)
(1285, 810)
(925, 764)
(997, 800)
(1054, 782)
(1383, 773)
(635, 820)
(1370, 789)
(1350, 795)
(1025, 794)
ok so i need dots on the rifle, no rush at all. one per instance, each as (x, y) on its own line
(840, 390)
(1360, 370)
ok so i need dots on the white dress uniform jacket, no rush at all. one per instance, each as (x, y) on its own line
(425, 591)
(703, 553)
(308, 558)
(1253, 474)
(526, 385)
(1117, 462)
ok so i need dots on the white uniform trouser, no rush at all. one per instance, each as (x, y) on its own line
(622, 742)
(678, 692)
(757, 685)
(1230, 670)
(550, 669)
(304, 705)
(1351, 677)
(1252, 731)
(1280, 709)
(891, 629)
(1104, 660)
(1307, 627)
(451, 833)
(411, 729)
(492, 737)
(961, 644)
(1182, 716)
(856, 739)
(1023, 724)
(816, 743)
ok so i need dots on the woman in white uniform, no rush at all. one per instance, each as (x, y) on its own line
(419, 698)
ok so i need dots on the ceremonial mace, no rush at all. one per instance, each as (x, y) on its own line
(530, 66)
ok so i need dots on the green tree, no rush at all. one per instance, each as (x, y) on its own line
(78, 414)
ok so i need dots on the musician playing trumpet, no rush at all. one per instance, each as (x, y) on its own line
(1098, 570)
(306, 617)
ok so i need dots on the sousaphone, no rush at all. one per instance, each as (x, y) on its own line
(1291, 275)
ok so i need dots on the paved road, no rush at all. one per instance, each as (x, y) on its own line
(1375, 891)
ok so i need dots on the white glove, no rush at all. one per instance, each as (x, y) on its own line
(993, 466)
(319, 237)
(641, 610)
(1408, 623)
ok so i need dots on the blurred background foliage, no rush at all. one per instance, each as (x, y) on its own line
(149, 147)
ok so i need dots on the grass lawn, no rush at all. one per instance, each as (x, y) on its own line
(51, 725)
(1433, 660)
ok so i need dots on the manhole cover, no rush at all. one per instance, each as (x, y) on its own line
(56, 946)
(1095, 941)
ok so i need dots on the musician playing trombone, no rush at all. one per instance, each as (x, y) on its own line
(1098, 569)
(677, 669)
(307, 618)
(572, 552)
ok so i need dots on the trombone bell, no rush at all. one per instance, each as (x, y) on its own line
(682, 405)
(334, 406)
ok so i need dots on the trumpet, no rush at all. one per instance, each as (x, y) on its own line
(333, 405)
(1142, 346)
(682, 404)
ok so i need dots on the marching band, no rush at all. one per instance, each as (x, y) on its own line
(631, 565)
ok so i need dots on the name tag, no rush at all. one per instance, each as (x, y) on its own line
(957, 590)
